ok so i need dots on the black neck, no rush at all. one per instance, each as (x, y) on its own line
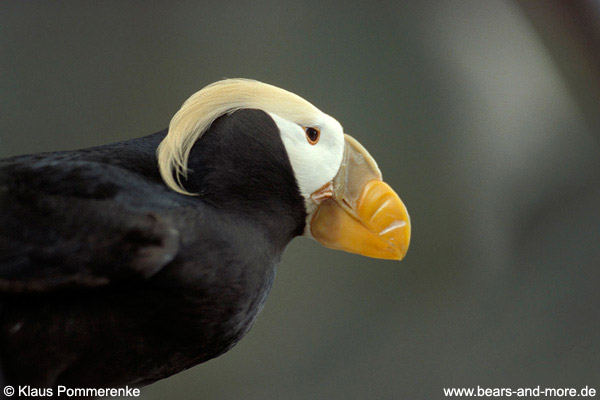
(239, 166)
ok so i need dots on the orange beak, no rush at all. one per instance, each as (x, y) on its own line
(358, 212)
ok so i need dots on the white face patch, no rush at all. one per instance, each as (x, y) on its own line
(314, 165)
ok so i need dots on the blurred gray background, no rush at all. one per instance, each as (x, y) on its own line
(484, 116)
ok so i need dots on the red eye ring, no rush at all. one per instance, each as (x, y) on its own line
(312, 134)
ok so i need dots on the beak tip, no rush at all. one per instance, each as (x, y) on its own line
(401, 253)
(399, 237)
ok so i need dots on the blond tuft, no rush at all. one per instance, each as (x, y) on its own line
(205, 106)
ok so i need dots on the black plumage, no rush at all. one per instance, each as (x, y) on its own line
(108, 277)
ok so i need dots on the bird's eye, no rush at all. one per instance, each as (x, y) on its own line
(312, 135)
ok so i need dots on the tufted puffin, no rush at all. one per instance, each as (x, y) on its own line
(129, 262)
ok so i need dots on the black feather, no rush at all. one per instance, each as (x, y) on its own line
(107, 277)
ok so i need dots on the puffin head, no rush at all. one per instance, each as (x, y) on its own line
(347, 206)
